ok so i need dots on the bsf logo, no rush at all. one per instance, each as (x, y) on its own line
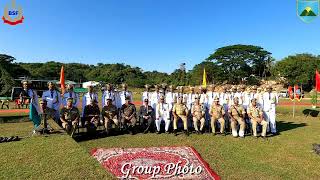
(308, 10)
(12, 14)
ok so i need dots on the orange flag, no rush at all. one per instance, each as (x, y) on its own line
(317, 81)
(62, 82)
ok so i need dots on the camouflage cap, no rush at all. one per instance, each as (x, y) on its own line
(25, 82)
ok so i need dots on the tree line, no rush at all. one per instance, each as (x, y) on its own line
(234, 64)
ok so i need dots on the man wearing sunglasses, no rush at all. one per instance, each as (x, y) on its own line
(180, 111)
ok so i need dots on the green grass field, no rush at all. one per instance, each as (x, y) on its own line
(57, 156)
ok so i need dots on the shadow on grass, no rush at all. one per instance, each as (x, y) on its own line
(311, 112)
(14, 119)
(286, 126)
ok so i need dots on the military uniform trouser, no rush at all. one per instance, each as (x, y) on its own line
(213, 124)
(196, 122)
(108, 121)
(54, 114)
(68, 126)
(264, 124)
(129, 122)
(148, 121)
(184, 120)
(234, 123)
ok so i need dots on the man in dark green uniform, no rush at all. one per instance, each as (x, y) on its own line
(69, 116)
(91, 116)
(110, 115)
(128, 115)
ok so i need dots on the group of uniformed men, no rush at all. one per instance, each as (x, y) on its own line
(236, 109)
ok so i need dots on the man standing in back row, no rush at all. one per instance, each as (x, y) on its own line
(53, 98)
(270, 100)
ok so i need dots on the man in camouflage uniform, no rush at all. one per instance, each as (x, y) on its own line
(256, 115)
(110, 115)
(69, 116)
(217, 113)
(237, 113)
(180, 111)
(91, 116)
(198, 112)
(128, 115)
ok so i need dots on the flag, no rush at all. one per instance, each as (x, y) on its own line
(62, 82)
(204, 79)
(317, 81)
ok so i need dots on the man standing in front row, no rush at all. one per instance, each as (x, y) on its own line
(53, 98)
(270, 100)
(69, 116)
(128, 115)
(180, 111)
(237, 113)
(256, 115)
(162, 114)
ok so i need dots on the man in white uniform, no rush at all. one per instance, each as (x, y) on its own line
(88, 98)
(108, 94)
(123, 94)
(170, 97)
(147, 94)
(155, 96)
(191, 97)
(162, 114)
(270, 100)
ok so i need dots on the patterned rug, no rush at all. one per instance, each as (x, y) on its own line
(154, 163)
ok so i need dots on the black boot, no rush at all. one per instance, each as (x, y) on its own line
(175, 132)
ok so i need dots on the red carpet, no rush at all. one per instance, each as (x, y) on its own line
(154, 163)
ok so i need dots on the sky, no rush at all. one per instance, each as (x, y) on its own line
(153, 34)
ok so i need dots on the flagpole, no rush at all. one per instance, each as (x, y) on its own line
(294, 101)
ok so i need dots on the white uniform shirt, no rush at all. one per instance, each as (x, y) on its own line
(162, 111)
(108, 95)
(224, 98)
(190, 100)
(211, 95)
(155, 96)
(170, 98)
(146, 95)
(270, 100)
(122, 97)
